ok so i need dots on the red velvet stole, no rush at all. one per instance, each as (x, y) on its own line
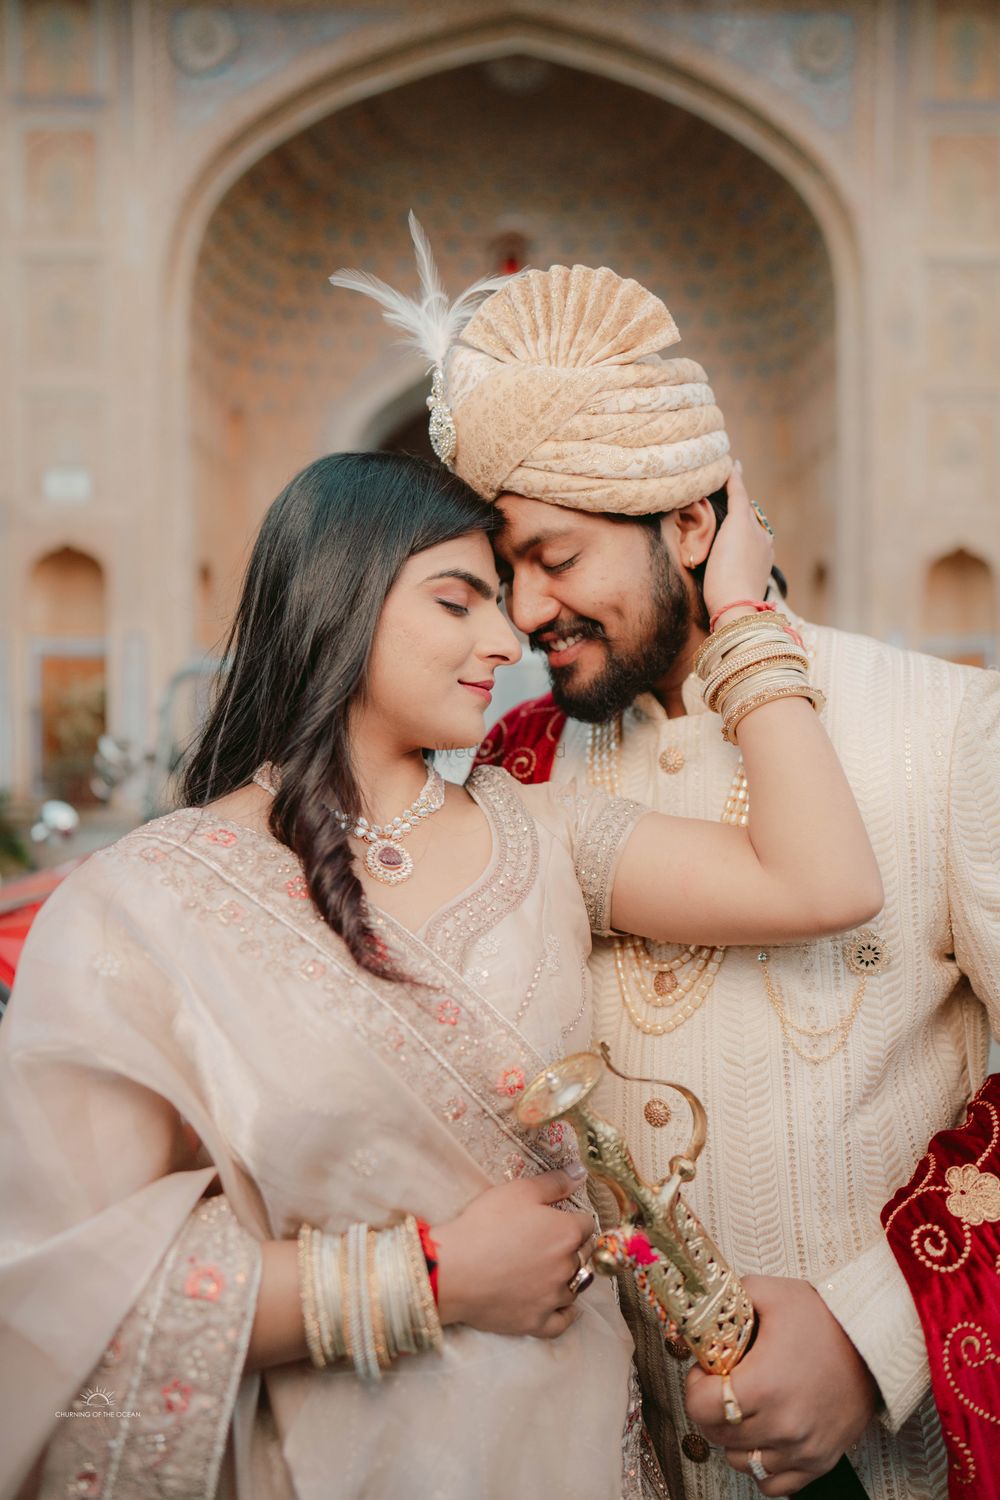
(944, 1230)
(525, 741)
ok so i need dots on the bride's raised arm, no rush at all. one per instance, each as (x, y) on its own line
(801, 864)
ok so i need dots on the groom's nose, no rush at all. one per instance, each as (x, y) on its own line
(531, 603)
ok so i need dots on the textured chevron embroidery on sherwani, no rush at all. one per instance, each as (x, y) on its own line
(802, 1156)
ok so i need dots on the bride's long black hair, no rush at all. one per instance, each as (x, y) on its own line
(326, 556)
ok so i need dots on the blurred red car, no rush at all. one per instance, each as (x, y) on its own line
(20, 902)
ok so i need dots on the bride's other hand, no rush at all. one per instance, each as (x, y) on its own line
(504, 1265)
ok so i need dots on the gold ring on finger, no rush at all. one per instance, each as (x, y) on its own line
(580, 1280)
(762, 519)
(755, 1466)
(730, 1406)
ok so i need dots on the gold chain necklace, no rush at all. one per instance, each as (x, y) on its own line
(865, 954)
(679, 984)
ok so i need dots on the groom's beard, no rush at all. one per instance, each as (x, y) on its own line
(634, 668)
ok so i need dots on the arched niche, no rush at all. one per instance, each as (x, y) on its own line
(66, 620)
(665, 196)
(66, 595)
(959, 608)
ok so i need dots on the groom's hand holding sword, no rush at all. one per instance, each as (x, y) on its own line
(695, 1294)
(805, 1393)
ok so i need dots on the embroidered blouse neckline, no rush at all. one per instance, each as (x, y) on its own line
(440, 914)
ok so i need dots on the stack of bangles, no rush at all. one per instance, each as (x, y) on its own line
(752, 661)
(368, 1296)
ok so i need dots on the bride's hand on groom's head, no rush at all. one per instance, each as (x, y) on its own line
(742, 556)
(505, 1263)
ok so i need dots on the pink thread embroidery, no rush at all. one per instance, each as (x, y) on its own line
(204, 1282)
(448, 1013)
(176, 1395)
(224, 836)
(511, 1082)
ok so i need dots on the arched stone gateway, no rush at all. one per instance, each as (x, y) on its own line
(641, 163)
(126, 430)
(284, 367)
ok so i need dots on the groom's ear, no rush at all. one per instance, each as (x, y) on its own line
(690, 531)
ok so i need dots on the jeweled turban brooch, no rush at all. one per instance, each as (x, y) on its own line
(432, 324)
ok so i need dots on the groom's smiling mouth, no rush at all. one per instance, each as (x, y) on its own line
(563, 645)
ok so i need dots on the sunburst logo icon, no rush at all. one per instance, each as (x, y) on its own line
(99, 1396)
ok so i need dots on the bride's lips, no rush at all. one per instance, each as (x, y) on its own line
(483, 689)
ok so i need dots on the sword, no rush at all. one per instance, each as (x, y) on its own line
(694, 1292)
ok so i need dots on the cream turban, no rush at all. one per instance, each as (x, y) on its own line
(558, 392)
(554, 388)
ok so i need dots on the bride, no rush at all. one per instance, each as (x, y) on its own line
(270, 1225)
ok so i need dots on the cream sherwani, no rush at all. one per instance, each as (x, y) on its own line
(802, 1156)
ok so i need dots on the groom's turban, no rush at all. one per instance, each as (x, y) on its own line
(558, 392)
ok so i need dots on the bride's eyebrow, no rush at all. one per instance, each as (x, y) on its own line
(481, 587)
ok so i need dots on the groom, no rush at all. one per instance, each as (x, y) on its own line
(826, 1066)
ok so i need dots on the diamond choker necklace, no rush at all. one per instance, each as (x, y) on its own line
(385, 857)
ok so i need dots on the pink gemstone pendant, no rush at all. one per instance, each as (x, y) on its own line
(388, 862)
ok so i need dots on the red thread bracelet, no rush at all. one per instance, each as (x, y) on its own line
(429, 1246)
(760, 605)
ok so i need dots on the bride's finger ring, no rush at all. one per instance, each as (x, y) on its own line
(580, 1280)
(730, 1405)
(762, 518)
(756, 1467)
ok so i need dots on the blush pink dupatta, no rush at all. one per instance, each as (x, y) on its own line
(184, 1024)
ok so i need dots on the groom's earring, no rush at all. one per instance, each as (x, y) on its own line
(691, 561)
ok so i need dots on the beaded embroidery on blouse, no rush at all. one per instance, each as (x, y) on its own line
(511, 873)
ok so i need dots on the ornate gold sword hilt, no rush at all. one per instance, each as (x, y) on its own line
(682, 1272)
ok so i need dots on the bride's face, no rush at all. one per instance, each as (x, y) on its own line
(440, 639)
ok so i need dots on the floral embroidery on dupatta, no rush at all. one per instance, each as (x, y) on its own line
(446, 1039)
(168, 1380)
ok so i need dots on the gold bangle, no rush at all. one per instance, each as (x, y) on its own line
(758, 619)
(750, 705)
(747, 625)
(726, 683)
(429, 1332)
(345, 1299)
(723, 682)
(307, 1295)
(771, 693)
(378, 1320)
(774, 674)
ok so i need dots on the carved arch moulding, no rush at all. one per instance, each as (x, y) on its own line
(693, 78)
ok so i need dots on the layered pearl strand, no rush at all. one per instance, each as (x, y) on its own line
(682, 983)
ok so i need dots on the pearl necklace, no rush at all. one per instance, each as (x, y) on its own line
(385, 858)
(680, 984)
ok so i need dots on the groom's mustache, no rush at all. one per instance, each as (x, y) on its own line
(590, 630)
